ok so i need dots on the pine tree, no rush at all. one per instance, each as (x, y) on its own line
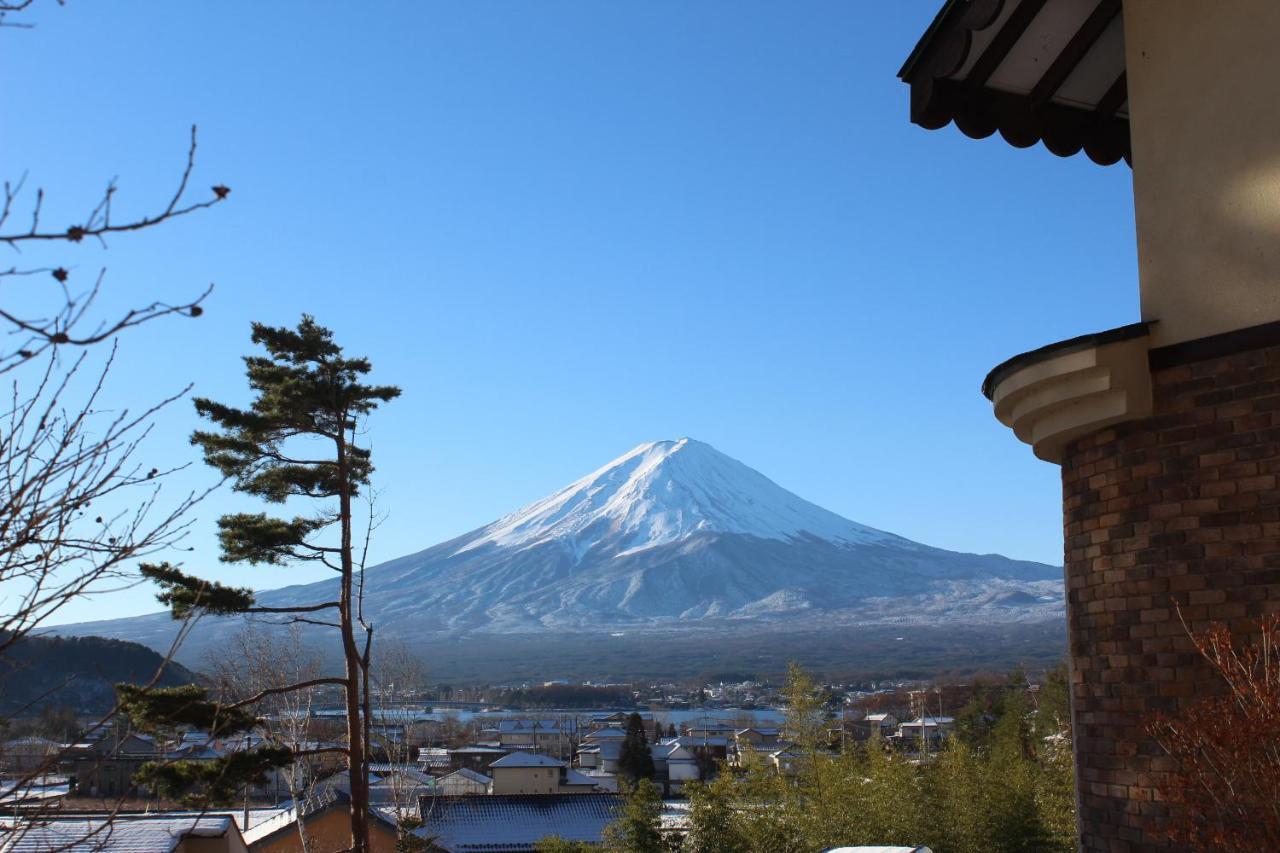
(308, 396)
(635, 759)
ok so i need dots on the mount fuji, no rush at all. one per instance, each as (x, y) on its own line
(670, 536)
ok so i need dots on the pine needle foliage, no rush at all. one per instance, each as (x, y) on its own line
(635, 760)
(296, 440)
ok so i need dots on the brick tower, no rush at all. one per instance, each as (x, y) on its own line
(1167, 430)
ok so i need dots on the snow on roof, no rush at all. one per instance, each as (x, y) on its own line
(879, 718)
(523, 725)
(119, 835)
(527, 759)
(469, 774)
(930, 721)
(514, 823)
(698, 740)
(606, 734)
(573, 777)
(477, 749)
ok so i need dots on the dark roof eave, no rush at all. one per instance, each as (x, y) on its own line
(1095, 339)
(923, 42)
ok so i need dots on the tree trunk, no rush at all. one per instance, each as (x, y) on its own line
(356, 760)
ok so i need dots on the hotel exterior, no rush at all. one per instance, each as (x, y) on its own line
(1168, 429)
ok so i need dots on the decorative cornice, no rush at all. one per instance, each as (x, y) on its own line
(1061, 392)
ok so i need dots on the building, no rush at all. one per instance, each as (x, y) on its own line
(531, 773)
(25, 754)
(462, 782)
(931, 730)
(126, 834)
(757, 737)
(326, 822)
(546, 735)
(475, 757)
(514, 824)
(106, 767)
(1165, 429)
(675, 762)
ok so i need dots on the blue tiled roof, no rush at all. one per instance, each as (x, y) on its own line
(514, 823)
(526, 759)
(121, 835)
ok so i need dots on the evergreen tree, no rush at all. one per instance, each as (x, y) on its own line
(635, 759)
(671, 730)
(296, 440)
(657, 731)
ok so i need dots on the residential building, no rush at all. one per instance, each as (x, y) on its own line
(475, 757)
(24, 754)
(125, 834)
(514, 823)
(462, 782)
(326, 823)
(546, 735)
(533, 773)
(932, 730)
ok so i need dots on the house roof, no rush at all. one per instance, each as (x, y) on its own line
(526, 759)
(509, 725)
(573, 777)
(324, 796)
(477, 749)
(514, 823)
(606, 734)
(118, 835)
(1050, 71)
(468, 774)
(930, 721)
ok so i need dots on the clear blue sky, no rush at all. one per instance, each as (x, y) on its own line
(565, 228)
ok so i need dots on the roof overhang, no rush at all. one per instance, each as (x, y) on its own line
(1050, 71)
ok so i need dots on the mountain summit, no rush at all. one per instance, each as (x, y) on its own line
(670, 535)
(663, 492)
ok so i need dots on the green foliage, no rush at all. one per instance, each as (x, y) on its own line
(635, 761)
(182, 593)
(162, 710)
(206, 784)
(806, 709)
(255, 537)
(638, 828)
(1011, 790)
(305, 386)
(307, 395)
(556, 844)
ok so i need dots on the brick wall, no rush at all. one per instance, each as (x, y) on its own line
(1181, 507)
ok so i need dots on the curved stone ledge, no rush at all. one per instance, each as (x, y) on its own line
(1058, 393)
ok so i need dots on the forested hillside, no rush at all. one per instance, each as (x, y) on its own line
(77, 673)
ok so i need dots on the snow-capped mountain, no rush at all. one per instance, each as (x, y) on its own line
(672, 534)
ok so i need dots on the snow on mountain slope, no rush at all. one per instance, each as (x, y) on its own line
(662, 492)
(672, 534)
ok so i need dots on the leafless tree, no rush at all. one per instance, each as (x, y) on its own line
(260, 661)
(396, 671)
(79, 504)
